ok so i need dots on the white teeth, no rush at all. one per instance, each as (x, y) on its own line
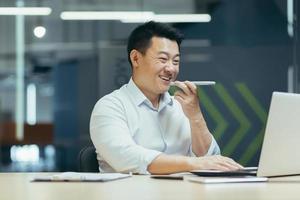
(165, 78)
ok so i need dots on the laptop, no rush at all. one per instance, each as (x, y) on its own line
(280, 150)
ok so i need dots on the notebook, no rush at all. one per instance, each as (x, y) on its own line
(279, 154)
(236, 179)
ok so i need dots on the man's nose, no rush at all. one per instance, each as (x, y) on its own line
(170, 66)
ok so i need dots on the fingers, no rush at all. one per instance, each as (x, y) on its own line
(183, 87)
(222, 167)
(192, 87)
(187, 87)
(218, 162)
(233, 163)
(179, 97)
(229, 163)
(225, 165)
(188, 98)
(229, 166)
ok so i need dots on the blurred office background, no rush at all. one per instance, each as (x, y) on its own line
(54, 66)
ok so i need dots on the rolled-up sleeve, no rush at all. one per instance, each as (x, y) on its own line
(213, 149)
(114, 144)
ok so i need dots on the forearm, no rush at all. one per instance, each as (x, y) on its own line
(201, 136)
(167, 164)
(188, 98)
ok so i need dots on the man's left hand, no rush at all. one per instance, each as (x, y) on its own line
(188, 98)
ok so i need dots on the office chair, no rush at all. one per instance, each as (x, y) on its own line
(87, 158)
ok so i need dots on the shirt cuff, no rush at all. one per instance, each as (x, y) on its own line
(143, 169)
(191, 152)
(212, 150)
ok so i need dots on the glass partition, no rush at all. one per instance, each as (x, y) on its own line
(55, 65)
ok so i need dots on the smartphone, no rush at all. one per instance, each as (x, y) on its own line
(199, 83)
(174, 88)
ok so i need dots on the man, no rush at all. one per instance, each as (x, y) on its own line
(140, 128)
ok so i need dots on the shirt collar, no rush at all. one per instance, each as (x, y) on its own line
(165, 100)
(137, 95)
(139, 98)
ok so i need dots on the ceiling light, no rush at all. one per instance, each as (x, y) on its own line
(170, 18)
(134, 16)
(109, 15)
(39, 31)
(25, 11)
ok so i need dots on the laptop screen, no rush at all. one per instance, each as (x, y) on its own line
(279, 154)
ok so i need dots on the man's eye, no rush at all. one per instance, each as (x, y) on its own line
(175, 62)
(163, 60)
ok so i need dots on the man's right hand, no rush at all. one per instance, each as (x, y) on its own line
(215, 162)
(167, 164)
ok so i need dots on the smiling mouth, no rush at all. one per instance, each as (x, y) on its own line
(166, 78)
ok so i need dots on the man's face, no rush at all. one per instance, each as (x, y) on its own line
(158, 66)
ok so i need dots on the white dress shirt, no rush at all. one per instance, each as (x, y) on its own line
(129, 133)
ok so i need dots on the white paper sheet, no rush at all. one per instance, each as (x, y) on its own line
(76, 176)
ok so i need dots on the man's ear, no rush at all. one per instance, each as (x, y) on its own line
(134, 57)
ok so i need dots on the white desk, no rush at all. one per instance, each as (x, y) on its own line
(17, 186)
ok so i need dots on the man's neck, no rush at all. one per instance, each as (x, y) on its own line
(153, 98)
(155, 102)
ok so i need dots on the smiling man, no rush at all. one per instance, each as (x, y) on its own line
(140, 128)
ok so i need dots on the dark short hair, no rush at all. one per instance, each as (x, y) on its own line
(140, 37)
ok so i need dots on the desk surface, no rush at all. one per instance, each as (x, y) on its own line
(17, 186)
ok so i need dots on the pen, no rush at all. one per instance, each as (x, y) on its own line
(170, 176)
(198, 83)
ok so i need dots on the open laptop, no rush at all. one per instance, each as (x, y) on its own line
(280, 151)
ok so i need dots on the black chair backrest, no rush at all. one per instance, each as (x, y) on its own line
(88, 160)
